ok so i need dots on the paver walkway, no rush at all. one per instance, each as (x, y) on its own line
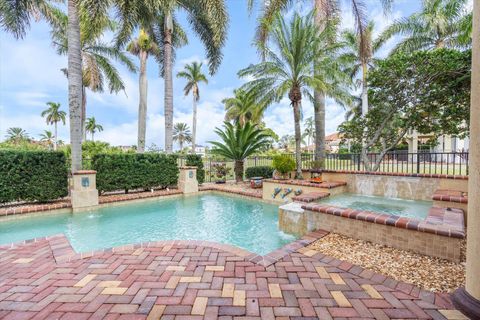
(196, 280)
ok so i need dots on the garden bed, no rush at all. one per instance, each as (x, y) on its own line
(427, 272)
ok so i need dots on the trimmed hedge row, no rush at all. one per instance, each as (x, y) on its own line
(32, 176)
(134, 171)
(260, 171)
(195, 160)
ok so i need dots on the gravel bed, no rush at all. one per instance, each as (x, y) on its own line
(430, 273)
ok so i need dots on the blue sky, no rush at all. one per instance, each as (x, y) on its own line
(30, 76)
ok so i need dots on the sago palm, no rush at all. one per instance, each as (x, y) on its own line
(243, 107)
(288, 69)
(440, 23)
(238, 143)
(97, 56)
(142, 47)
(92, 126)
(194, 75)
(181, 134)
(48, 138)
(53, 115)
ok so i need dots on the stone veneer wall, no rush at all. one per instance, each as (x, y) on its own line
(268, 188)
(408, 187)
(293, 219)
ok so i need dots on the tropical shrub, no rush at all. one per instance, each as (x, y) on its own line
(196, 160)
(220, 170)
(134, 171)
(283, 164)
(32, 176)
(260, 171)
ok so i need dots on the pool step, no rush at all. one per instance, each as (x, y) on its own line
(310, 196)
(444, 198)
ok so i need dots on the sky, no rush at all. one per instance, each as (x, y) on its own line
(30, 76)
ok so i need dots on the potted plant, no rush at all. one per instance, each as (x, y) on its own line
(221, 171)
(283, 164)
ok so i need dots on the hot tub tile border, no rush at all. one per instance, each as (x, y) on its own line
(440, 228)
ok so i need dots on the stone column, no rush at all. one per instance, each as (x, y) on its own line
(187, 181)
(83, 189)
(467, 299)
(413, 145)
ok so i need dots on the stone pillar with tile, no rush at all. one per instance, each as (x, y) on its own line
(187, 180)
(467, 299)
(83, 189)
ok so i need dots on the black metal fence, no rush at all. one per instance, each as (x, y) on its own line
(451, 163)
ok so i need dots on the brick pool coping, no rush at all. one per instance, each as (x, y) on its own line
(440, 221)
(179, 277)
(306, 183)
(399, 174)
(310, 197)
(450, 196)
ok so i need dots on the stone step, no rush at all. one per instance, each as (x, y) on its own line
(450, 196)
(310, 196)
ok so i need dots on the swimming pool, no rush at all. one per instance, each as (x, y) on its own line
(394, 206)
(248, 224)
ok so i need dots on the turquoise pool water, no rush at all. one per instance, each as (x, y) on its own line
(249, 224)
(394, 206)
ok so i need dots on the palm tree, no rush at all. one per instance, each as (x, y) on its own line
(15, 17)
(209, 20)
(243, 107)
(326, 14)
(92, 126)
(98, 70)
(309, 131)
(193, 74)
(16, 135)
(142, 47)
(238, 143)
(181, 134)
(48, 138)
(54, 115)
(288, 69)
(361, 61)
(440, 23)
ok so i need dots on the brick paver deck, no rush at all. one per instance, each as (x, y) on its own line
(198, 280)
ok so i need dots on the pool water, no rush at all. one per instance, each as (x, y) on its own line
(401, 207)
(249, 224)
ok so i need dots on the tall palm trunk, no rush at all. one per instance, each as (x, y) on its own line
(142, 106)
(75, 85)
(84, 112)
(364, 90)
(56, 137)
(168, 84)
(194, 124)
(318, 95)
(298, 139)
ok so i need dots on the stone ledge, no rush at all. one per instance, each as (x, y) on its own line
(310, 196)
(450, 196)
(324, 185)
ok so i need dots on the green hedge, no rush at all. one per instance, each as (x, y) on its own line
(260, 171)
(134, 171)
(32, 176)
(195, 160)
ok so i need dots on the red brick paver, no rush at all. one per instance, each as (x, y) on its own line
(198, 280)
